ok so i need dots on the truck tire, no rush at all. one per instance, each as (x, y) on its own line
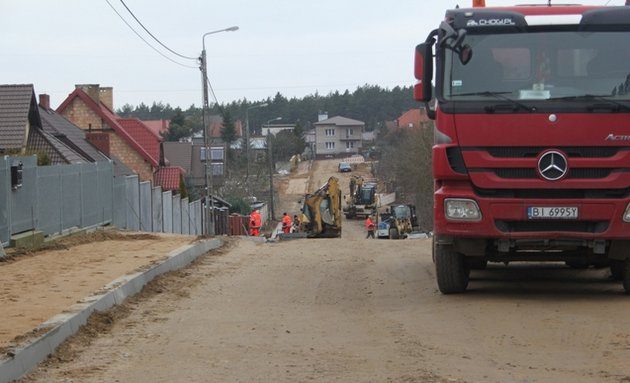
(451, 270)
(616, 269)
(393, 233)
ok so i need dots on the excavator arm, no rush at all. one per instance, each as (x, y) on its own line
(321, 212)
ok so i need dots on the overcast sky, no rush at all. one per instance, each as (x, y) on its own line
(295, 47)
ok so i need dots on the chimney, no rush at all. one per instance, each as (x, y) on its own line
(44, 101)
(322, 116)
(107, 96)
(91, 90)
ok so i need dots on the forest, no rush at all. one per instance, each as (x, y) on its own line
(371, 104)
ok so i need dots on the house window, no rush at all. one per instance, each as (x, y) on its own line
(330, 132)
(217, 169)
(349, 144)
(349, 132)
(330, 145)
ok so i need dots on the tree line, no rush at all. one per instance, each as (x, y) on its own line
(371, 104)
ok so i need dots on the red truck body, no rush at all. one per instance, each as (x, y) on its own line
(532, 153)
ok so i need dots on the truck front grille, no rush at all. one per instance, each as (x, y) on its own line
(574, 173)
(532, 151)
(552, 225)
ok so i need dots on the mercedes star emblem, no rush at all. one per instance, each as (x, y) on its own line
(552, 165)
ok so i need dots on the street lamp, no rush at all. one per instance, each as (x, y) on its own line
(208, 183)
(247, 136)
(271, 169)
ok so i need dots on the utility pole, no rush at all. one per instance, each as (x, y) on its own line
(208, 176)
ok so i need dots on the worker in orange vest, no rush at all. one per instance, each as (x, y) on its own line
(255, 221)
(286, 223)
(370, 226)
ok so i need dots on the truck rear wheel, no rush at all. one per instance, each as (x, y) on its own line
(393, 233)
(452, 272)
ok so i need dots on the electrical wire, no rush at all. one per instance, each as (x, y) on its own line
(155, 38)
(145, 41)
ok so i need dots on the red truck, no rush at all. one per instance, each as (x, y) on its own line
(531, 160)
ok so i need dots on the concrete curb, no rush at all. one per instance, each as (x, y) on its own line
(64, 325)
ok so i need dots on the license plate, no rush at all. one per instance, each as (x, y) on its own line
(538, 212)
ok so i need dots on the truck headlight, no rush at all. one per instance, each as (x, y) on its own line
(457, 209)
(626, 215)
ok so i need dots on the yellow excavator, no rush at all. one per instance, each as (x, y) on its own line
(321, 213)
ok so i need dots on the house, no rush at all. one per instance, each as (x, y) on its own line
(158, 127)
(215, 126)
(74, 137)
(188, 157)
(274, 129)
(22, 130)
(338, 136)
(90, 107)
(413, 119)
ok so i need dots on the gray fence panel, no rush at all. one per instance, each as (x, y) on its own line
(24, 199)
(177, 215)
(167, 212)
(192, 211)
(5, 190)
(197, 209)
(133, 202)
(157, 209)
(185, 217)
(105, 191)
(49, 200)
(90, 213)
(119, 203)
(71, 196)
(199, 217)
(146, 217)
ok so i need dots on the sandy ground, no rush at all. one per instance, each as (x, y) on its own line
(357, 310)
(34, 288)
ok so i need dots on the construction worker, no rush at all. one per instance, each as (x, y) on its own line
(286, 223)
(255, 221)
(370, 226)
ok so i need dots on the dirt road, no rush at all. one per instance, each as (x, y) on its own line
(357, 310)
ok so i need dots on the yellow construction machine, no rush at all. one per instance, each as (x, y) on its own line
(321, 213)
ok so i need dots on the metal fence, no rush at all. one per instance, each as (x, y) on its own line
(55, 199)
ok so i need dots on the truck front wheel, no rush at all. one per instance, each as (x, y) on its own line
(451, 269)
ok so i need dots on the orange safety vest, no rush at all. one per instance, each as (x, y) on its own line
(369, 225)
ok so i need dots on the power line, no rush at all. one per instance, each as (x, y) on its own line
(155, 38)
(145, 41)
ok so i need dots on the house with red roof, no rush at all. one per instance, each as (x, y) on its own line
(413, 119)
(159, 127)
(91, 108)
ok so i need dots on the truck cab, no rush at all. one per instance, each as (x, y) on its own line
(531, 160)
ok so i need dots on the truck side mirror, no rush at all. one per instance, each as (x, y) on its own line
(423, 71)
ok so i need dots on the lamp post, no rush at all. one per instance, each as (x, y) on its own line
(247, 137)
(271, 169)
(208, 181)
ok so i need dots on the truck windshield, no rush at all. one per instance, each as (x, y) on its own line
(541, 66)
